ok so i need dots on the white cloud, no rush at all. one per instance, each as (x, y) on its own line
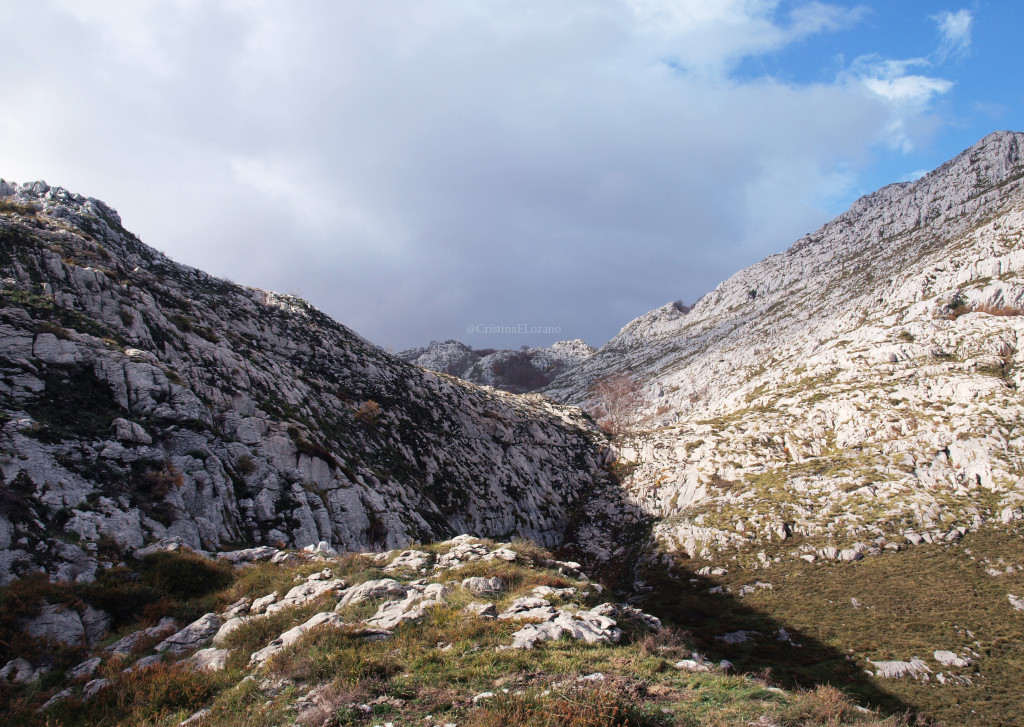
(712, 36)
(955, 29)
(416, 167)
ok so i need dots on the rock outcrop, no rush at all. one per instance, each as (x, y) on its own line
(857, 394)
(142, 400)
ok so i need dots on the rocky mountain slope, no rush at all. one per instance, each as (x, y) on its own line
(519, 371)
(856, 393)
(143, 400)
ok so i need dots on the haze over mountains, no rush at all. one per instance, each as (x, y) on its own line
(852, 399)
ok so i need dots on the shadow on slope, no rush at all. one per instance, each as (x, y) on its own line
(613, 539)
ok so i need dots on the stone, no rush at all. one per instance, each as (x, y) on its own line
(196, 634)
(898, 669)
(196, 718)
(289, 637)
(248, 555)
(321, 549)
(58, 697)
(18, 671)
(261, 604)
(624, 612)
(484, 586)
(92, 688)
(548, 591)
(506, 554)
(529, 607)
(86, 669)
(307, 592)
(481, 610)
(949, 658)
(207, 660)
(237, 608)
(737, 637)
(372, 591)
(58, 622)
(412, 559)
(692, 665)
(144, 663)
(581, 625)
(1016, 602)
(127, 644)
(130, 432)
(228, 627)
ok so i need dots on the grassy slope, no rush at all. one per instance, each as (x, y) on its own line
(914, 602)
(433, 668)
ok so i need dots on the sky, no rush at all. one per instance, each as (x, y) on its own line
(500, 172)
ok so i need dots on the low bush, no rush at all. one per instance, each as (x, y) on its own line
(183, 575)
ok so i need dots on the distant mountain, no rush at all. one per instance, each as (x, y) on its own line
(518, 371)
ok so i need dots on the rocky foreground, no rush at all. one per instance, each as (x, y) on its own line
(465, 632)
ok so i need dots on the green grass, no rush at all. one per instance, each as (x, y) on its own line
(926, 598)
(433, 668)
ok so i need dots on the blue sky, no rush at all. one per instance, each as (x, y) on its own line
(423, 168)
(974, 47)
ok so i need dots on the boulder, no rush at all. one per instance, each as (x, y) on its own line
(899, 669)
(411, 559)
(481, 610)
(196, 634)
(949, 658)
(207, 660)
(85, 669)
(372, 591)
(481, 586)
(19, 671)
(529, 607)
(92, 688)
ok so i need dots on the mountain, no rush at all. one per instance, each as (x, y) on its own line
(143, 400)
(864, 384)
(817, 476)
(522, 371)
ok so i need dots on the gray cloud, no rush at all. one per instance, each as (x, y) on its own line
(416, 168)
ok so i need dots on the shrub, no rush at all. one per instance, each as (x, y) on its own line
(151, 695)
(579, 707)
(183, 575)
(998, 310)
(245, 465)
(9, 206)
(368, 411)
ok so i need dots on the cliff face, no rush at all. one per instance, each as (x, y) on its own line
(141, 399)
(859, 391)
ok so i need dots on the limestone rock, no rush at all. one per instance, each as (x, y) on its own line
(481, 610)
(196, 634)
(86, 669)
(92, 688)
(372, 591)
(949, 658)
(898, 669)
(125, 645)
(327, 619)
(484, 586)
(19, 671)
(207, 660)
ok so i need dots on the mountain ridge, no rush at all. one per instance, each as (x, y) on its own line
(143, 399)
